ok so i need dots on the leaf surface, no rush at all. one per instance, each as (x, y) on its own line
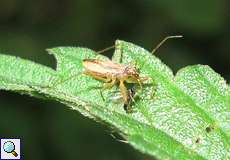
(186, 116)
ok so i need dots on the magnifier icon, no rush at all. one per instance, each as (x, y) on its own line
(9, 147)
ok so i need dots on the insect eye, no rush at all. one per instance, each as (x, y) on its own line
(137, 75)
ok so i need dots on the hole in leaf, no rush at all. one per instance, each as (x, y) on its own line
(197, 140)
(209, 129)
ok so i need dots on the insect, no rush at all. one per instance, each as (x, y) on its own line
(112, 73)
(115, 73)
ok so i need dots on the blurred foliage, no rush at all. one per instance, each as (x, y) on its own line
(28, 27)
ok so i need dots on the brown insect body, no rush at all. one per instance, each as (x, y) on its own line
(112, 73)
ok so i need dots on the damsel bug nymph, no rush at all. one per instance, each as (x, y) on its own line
(113, 73)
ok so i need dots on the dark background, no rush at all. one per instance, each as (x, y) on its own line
(27, 27)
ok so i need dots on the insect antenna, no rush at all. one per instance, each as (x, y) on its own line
(163, 41)
(106, 49)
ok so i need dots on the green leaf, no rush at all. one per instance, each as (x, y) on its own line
(186, 116)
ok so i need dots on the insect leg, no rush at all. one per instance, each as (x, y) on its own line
(131, 100)
(110, 84)
(124, 92)
(132, 94)
(163, 41)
